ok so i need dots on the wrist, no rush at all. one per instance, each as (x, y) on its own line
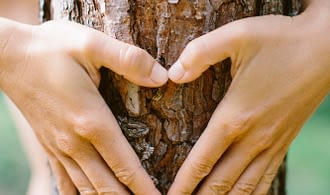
(313, 27)
(14, 40)
(316, 19)
(316, 8)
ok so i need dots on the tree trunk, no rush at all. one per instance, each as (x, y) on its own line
(163, 124)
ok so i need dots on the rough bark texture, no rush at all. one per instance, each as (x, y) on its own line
(163, 124)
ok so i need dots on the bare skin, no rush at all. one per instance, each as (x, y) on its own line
(53, 78)
(40, 179)
(281, 68)
(20, 10)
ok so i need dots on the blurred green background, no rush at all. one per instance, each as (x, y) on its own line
(309, 156)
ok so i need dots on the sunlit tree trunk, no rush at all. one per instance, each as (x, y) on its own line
(163, 124)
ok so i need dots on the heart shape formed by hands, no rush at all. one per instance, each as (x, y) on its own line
(163, 124)
(247, 137)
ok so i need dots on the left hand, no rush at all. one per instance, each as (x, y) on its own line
(51, 73)
(280, 68)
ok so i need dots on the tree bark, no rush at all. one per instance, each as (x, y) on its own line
(163, 124)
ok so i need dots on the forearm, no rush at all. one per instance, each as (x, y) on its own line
(315, 23)
(319, 10)
(14, 38)
(5, 30)
(307, 4)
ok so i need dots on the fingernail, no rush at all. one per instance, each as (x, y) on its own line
(176, 72)
(158, 74)
(173, 1)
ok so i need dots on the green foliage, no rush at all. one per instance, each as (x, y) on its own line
(14, 172)
(309, 156)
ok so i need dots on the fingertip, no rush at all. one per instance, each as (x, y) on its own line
(63, 182)
(158, 74)
(174, 190)
(176, 72)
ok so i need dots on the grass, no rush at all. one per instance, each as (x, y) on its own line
(309, 156)
(14, 171)
(308, 164)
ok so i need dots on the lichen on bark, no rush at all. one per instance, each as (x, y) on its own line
(163, 124)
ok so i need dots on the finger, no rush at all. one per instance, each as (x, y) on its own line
(72, 169)
(231, 165)
(203, 52)
(241, 167)
(216, 138)
(107, 138)
(94, 167)
(76, 174)
(94, 49)
(267, 179)
(64, 184)
(133, 63)
(270, 173)
(248, 181)
(100, 174)
(252, 175)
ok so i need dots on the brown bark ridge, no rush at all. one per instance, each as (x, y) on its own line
(163, 124)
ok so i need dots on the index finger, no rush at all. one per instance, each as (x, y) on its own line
(214, 141)
(109, 141)
(205, 51)
(134, 63)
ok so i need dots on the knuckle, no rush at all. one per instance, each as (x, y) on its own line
(244, 188)
(218, 188)
(109, 193)
(201, 168)
(184, 192)
(263, 144)
(193, 49)
(234, 127)
(243, 31)
(87, 127)
(231, 130)
(265, 139)
(88, 192)
(268, 178)
(87, 42)
(130, 59)
(127, 175)
(66, 144)
(110, 190)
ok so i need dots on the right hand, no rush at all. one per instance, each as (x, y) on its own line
(53, 79)
(280, 69)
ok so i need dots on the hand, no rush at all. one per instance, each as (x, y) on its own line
(53, 78)
(280, 69)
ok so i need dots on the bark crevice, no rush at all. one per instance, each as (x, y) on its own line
(163, 124)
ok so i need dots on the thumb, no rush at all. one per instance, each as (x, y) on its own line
(203, 52)
(135, 64)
